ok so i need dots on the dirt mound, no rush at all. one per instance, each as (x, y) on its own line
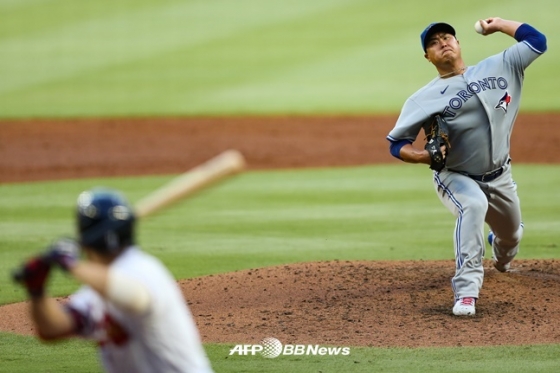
(344, 303)
(406, 303)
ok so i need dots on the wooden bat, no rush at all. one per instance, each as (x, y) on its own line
(206, 174)
(218, 168)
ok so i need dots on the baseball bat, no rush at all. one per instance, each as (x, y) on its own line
(202, 176)
(220, 167)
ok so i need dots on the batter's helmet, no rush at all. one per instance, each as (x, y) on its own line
(105, 220)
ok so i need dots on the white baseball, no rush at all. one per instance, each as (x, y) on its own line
(478, 27)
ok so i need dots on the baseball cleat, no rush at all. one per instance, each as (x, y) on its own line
(464, 307)
(499, 266)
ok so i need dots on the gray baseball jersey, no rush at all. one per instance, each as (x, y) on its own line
(480, 106)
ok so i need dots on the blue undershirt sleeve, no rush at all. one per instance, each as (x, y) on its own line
(531, 36)
(395, 147)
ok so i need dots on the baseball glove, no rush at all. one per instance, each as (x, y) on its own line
(437, 135)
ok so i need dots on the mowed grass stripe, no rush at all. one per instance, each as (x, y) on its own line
(116, 38)
(274, 217)
(218, 57)
(80, 357)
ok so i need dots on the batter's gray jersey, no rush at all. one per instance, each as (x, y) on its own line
(480, 139)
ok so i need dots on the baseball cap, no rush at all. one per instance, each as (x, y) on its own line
(432, 29)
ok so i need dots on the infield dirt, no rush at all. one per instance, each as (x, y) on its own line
(337, 303)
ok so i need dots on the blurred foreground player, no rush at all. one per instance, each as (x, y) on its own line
(129, 303)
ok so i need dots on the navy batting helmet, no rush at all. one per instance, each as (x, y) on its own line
(105, 220)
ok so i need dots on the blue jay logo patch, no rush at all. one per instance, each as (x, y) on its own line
(504, 102)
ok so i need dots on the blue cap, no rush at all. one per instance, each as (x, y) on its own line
(432, 29)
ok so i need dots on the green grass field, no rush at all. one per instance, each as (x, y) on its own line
(273, 217)
(78, 356)
(212, 57)
(63, 58)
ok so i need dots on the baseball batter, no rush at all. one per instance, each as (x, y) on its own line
(479, 104)
(130, 304)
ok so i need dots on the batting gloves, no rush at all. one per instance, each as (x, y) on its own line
(33, 275)
(64, 252)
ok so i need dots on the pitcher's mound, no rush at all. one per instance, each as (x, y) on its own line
(387, 304)
(405, 303)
